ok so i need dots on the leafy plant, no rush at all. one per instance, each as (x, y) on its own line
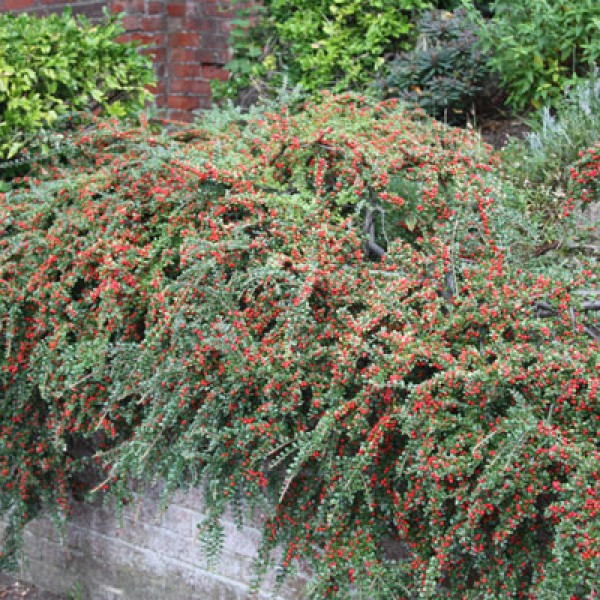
(445, 72)
(76, 592)
(319, 44)
(56, 65)
(309, 311)
(540, 48)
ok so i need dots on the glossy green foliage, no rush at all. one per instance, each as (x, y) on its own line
(53, 66)
(320, 44)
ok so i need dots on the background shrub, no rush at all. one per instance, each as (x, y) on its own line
(319, 44)
(446, 71)
(309, 311)
(540, 48)
(56, 65)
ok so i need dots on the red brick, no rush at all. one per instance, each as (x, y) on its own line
(157, 89)
(125, 38)
(189, 86)
(154, 23)
(148, 39)
(182, 55)
(225, 26)
(210, 9)
(176, 24)
(212, 39)
(131, 7)
(117, 7)
(160, 70)
(214, 72)
(179, 115)
(158, 55)
(215, 56)
(155, 8)
(183, 71)
(17, 4)
(183, 102)
(91, 11)
(177, 40)
(204, 25)
(131, 23)
(176, 9)
(160, 101)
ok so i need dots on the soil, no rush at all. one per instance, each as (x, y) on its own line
(13, 589)
(498, 132)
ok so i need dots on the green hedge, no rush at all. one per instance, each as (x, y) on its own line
(53, 66)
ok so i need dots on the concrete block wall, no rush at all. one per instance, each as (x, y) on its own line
(148, 556)
(187, 41)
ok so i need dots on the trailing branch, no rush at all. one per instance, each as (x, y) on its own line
(545, 310)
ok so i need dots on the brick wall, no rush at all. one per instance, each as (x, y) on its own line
(148, 556)
(187, 41)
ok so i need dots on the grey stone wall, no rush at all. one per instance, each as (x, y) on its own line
(147, 556)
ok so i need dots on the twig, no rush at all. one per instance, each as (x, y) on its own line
(544, 310)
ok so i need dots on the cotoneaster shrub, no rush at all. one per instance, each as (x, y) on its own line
(309, 312)
(585, 175)
(56, 65)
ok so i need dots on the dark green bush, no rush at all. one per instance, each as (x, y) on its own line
(316, 312)
(53, 66)
(445, 72)
(539, 48)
